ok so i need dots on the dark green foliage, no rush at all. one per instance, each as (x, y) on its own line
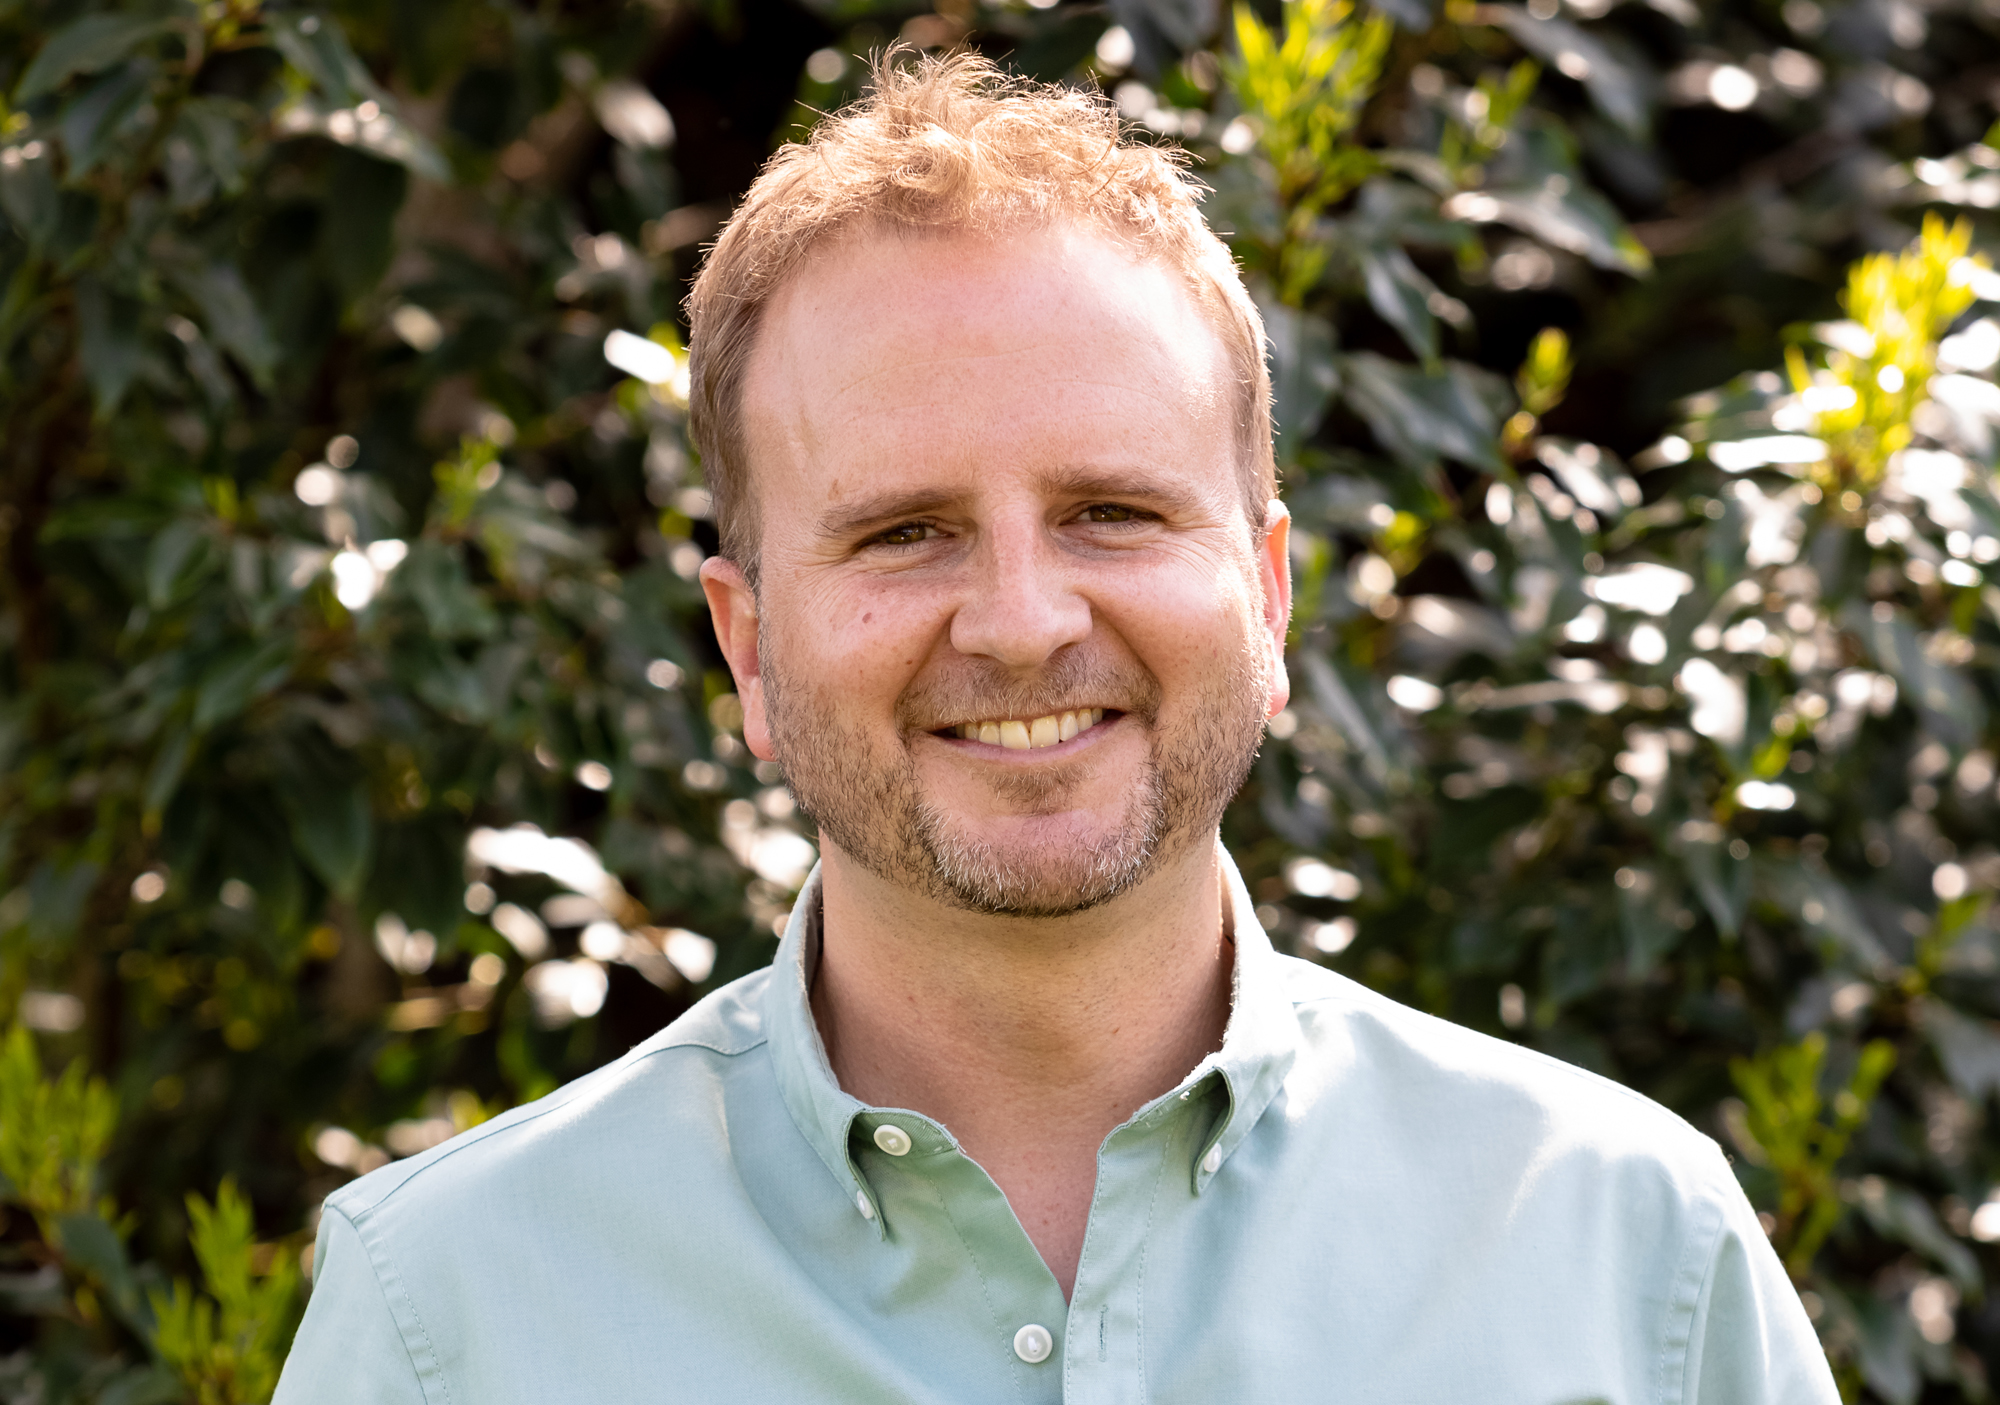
(339, 572)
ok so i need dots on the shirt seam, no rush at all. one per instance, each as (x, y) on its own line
(985, 1289)
(1167, 1144)
(472, 1138)
(376, 1256)
(1693, 1304)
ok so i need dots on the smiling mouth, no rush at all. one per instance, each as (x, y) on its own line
(1030, 734)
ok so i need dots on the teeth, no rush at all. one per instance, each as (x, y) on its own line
(1039, 732)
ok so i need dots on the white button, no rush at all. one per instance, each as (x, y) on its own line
(861, 1204)
(1033, 1343)
(1212, 1162)
(892, 1139)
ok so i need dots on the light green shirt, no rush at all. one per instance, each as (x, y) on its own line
(1350, 1201)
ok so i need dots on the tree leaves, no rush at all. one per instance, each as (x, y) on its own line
(1420, 416)
(236, 677)
(108, 327)
(87, 45)
(1402, 296)
(227, 761)
(1620, 90)
(1303, 374)
(1559, 214)
(230, 313)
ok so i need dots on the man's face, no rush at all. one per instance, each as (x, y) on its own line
(1015, 640)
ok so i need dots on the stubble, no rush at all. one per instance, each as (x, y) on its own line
(867, 797)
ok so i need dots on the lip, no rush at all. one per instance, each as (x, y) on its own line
(990, 751)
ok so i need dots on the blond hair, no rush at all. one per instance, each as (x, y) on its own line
(952, 144)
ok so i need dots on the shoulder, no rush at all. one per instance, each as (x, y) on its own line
(1438, 1078)
(665, 1087)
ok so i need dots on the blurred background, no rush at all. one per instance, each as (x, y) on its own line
(367, 766)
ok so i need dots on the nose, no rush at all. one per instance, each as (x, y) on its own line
(1021, 604)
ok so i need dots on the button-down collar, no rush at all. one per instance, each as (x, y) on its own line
(1259, 1045)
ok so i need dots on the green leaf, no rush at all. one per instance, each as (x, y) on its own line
(1942, 696)
(363, 196)
(119, 519)
(434, 575)
(169, 765)
(1419, 416)
(1620, 90)
(1344, 710)
(332, 829)
(240, 676)
(174, 559)
(318, 48)
(109, 324)
(204, 153)
(1770, 758)
(449, 684)
(1466, 829)
(93, 118)
(57, 891)
(231, 315)
(1582, 954)
(1721, 880)
(143, 1385)
(1569, 217)
(1887, 1339)
(85, 46)
(30, 200)
(1401, 296)
(1303, 377)
(1825, 909)
(1899, 1214)
(94, 1246)
(1968, 1048)
(1650, 934)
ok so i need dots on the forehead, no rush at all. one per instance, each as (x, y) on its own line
(895, 352)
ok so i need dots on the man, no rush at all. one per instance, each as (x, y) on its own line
(1027, 1108)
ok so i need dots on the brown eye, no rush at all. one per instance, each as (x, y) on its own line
(909, 534)
(1108, 512)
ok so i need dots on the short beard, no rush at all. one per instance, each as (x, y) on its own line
(872, 808)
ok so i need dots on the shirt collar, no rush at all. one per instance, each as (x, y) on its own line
(1259, 1043)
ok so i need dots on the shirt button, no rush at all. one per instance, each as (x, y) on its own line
(892, 1139)
(1212, 1162)
(861, 1204)
(1033, 1343)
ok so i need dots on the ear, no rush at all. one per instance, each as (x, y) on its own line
(1275, 567)
(732, 605)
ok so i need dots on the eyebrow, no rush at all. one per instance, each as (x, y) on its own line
(886, 509)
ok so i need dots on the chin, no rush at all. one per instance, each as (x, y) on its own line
(1044, 867)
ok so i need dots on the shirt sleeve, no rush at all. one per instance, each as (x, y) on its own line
(1750, 1342)
(349, 1347)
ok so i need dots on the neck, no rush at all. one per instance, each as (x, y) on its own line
(1030, 1039)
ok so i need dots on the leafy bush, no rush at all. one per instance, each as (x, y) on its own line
(368, 766)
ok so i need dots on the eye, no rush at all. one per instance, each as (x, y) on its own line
(1109, 512)
(904, 534)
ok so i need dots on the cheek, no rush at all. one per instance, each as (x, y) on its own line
(852, 643)
(1192, 618)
